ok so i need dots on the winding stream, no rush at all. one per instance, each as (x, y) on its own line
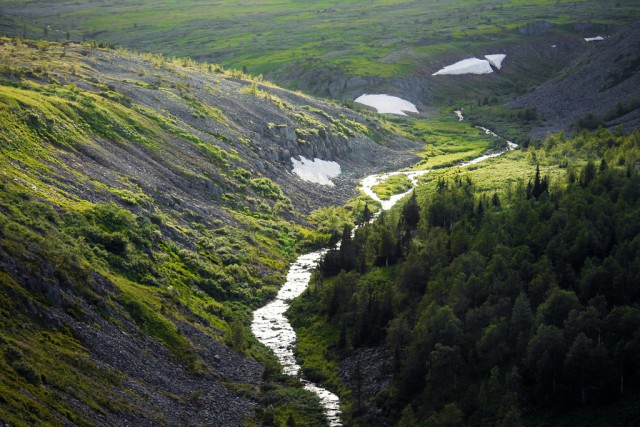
(271, 327)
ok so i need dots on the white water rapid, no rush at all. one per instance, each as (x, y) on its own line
(271, 327)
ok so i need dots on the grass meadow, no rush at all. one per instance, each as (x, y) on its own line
(383, 38)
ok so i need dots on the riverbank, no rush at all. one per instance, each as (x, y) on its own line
(429, 313)
(272, 328)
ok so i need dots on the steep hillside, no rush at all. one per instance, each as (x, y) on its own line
(147, 206)
(602, 87)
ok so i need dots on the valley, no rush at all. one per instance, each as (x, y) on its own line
(269, 324)
(362, 213)
(146, 198)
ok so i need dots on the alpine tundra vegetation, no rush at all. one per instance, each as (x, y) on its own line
(284, 213)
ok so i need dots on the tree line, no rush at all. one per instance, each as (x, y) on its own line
(495, 310)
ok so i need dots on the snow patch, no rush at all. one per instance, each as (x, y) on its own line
(387, 104)
(594, 39)
(496, 59)
(466, 66)
(474, 65)
(316, 170)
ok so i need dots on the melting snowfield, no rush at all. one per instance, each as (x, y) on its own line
(473, 65)
(466, 66)
(496, 59)
(387, 104)
(316, 170)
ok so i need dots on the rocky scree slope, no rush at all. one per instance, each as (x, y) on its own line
(533, 57)
(536, 52)
(531, 61)
(264, 125)
(601, 87)
(147, 205)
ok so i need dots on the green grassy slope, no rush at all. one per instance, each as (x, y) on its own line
(139, 226)
(354, 38)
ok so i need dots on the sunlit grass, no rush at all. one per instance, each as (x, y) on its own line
(394, 185)
(273, 35)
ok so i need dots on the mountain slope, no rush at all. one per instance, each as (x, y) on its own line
(147, 206)
(599, 88)
(337, 49)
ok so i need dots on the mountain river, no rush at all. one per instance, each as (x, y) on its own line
(271, 327)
